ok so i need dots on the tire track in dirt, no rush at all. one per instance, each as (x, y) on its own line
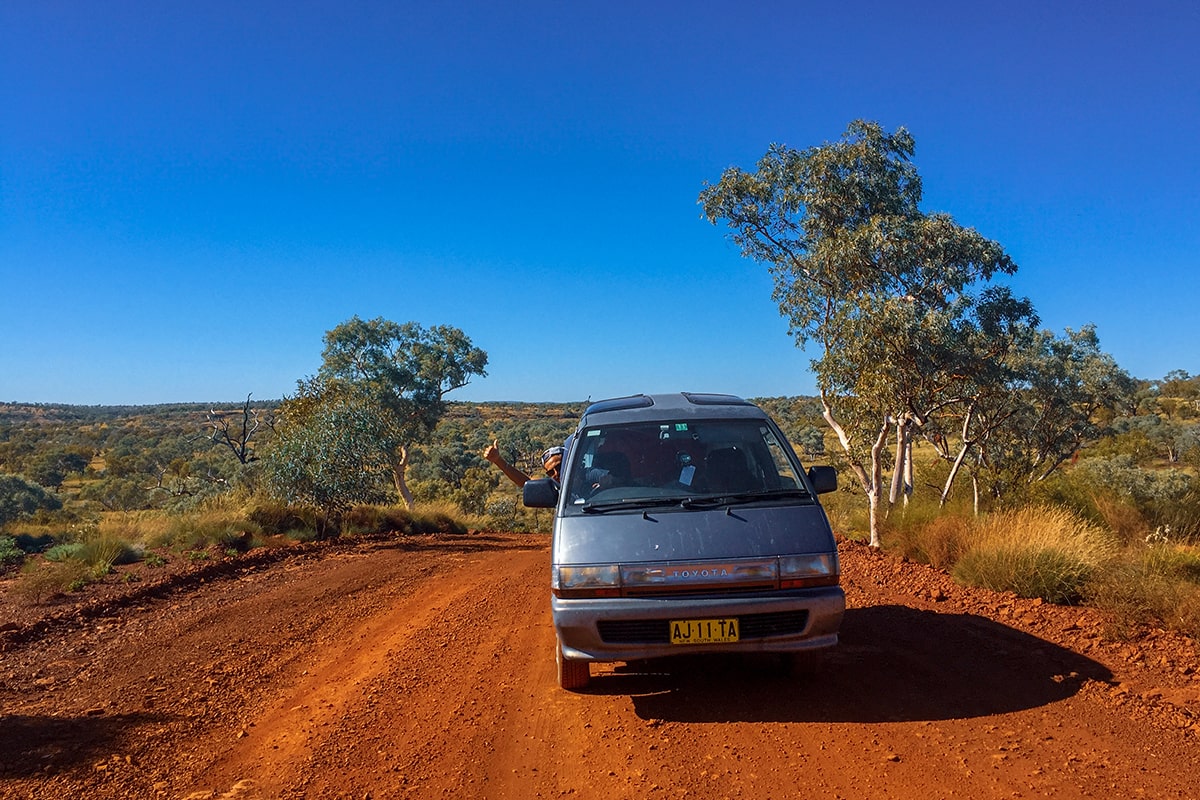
(357, 689)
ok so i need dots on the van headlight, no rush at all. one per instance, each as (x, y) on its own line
(814, 569)
(589, 581)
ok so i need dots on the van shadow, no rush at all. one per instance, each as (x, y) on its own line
(31, 744)
(893, 664)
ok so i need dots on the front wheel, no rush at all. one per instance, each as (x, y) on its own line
(573, 674)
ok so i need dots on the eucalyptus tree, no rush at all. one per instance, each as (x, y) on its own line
(384, 384)
(1064, 390)
(877, 284)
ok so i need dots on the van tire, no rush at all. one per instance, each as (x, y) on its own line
(802, 665)
(573, 674)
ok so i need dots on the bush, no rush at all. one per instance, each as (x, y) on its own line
(282, 520)
(40, 580)
(196, 531)
(1159, 584)
(941, 542)
(439, 517)
(1035, 552)
(10, 554)
(61, 552)
(103, 552)
(32, 543)
(1130, 499)
(377, 519)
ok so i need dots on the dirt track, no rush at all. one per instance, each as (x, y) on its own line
(424, 668)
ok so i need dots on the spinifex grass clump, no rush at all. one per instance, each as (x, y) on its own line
(1158, 584)
(222, 528)
(1035, 552)
(102, 553)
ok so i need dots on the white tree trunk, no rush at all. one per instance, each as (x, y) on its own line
(399, 468)
(872, 482)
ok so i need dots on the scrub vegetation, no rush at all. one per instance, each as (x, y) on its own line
(1119, 528)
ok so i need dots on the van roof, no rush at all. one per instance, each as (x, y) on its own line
(650, 407)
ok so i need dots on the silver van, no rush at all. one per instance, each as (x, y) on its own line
(684, 523)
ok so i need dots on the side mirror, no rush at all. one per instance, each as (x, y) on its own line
(542, 493)
(823, 479)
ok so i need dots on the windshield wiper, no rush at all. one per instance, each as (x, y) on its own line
(631, 503)
(734, 498)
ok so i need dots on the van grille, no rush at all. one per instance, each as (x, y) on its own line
(656, 631)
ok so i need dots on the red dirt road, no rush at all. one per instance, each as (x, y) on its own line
(424, 668)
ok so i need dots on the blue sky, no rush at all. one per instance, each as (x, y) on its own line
(192, 194)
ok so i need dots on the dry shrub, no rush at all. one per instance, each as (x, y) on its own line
(1035, 552)
(945, 539)
(284, 520)
(1187, 612)
(377, 519)
(1158, 584)
(134, 526)
(41, 580)
(439, 517)
(1122, 518)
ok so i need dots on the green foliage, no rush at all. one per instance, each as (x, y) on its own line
(116, 493)
(10, 554)
(332, 459)
(882, 286)
(380, 390)
(64, 551)
(1131, 499)
(34, 543)
(20, 498)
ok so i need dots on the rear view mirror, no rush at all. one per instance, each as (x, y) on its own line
(541, 493)
(823, 479)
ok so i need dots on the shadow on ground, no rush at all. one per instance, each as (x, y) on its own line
(894, 664)
(31, 745)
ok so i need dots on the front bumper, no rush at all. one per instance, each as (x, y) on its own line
(626, 629)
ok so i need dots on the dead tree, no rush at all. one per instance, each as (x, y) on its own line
(235, 434)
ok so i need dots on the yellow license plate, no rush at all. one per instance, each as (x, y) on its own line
(704, 631)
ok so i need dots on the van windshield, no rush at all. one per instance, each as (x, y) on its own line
(646, 464)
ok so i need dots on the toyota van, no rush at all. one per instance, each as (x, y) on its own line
(685, 523)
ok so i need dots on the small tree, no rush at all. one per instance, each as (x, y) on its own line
(386, 384)
(236, 430)
(404, 372)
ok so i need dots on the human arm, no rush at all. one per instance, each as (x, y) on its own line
(492, 454)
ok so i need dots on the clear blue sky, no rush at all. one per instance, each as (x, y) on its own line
(191, 194)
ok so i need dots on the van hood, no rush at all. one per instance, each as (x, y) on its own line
(682, 534)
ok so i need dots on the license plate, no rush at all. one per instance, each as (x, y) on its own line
(704, 631)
